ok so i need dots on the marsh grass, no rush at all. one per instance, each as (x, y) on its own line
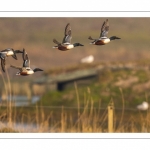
(88, 115)
(90, 119)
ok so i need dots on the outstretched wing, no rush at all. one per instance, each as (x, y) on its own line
(23, 54)
(26, 61)
(15, 67)
(3, 64)
(2, 55)
(14, 56)
(67, 37)
(56, 42)
(90, 38)
(15, 52)
(18, 51)
(104, 29)
(7, 49)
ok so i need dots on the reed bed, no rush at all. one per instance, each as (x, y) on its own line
(90, 120)
(85, 117)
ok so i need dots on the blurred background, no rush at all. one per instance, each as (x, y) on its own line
(36, 36)
(126, 87)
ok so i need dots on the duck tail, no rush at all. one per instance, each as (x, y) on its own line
(90, 38)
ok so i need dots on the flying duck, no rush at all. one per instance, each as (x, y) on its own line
(66, 42)
(103, 39)
(5, 53)
(25, 69)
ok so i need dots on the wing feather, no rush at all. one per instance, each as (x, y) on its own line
(104, 29)
(67, 34)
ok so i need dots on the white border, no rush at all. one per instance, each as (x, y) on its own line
(75, 136)
(74, 5)
(67, 141)
(74, 14)
(68, 8)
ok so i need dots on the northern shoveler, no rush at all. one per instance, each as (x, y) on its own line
(103, 39)
(25, 69)
(8, 52)
(66, 43)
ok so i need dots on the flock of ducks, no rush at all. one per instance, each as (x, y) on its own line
(64, 46)
(102, 40)
(25, 69)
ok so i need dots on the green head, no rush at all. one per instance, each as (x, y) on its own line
(77, 44)
(114, 37)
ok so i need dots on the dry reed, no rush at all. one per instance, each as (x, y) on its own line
(89, 119)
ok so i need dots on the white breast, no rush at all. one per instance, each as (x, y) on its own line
(70, 46)
(9, 53)
(106, 41)
(30, 72)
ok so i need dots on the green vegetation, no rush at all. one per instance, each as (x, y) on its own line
(109, 86)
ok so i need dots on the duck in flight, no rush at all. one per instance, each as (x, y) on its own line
(103, 39)
(8, 52)
(25, 69)
(66, 43)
